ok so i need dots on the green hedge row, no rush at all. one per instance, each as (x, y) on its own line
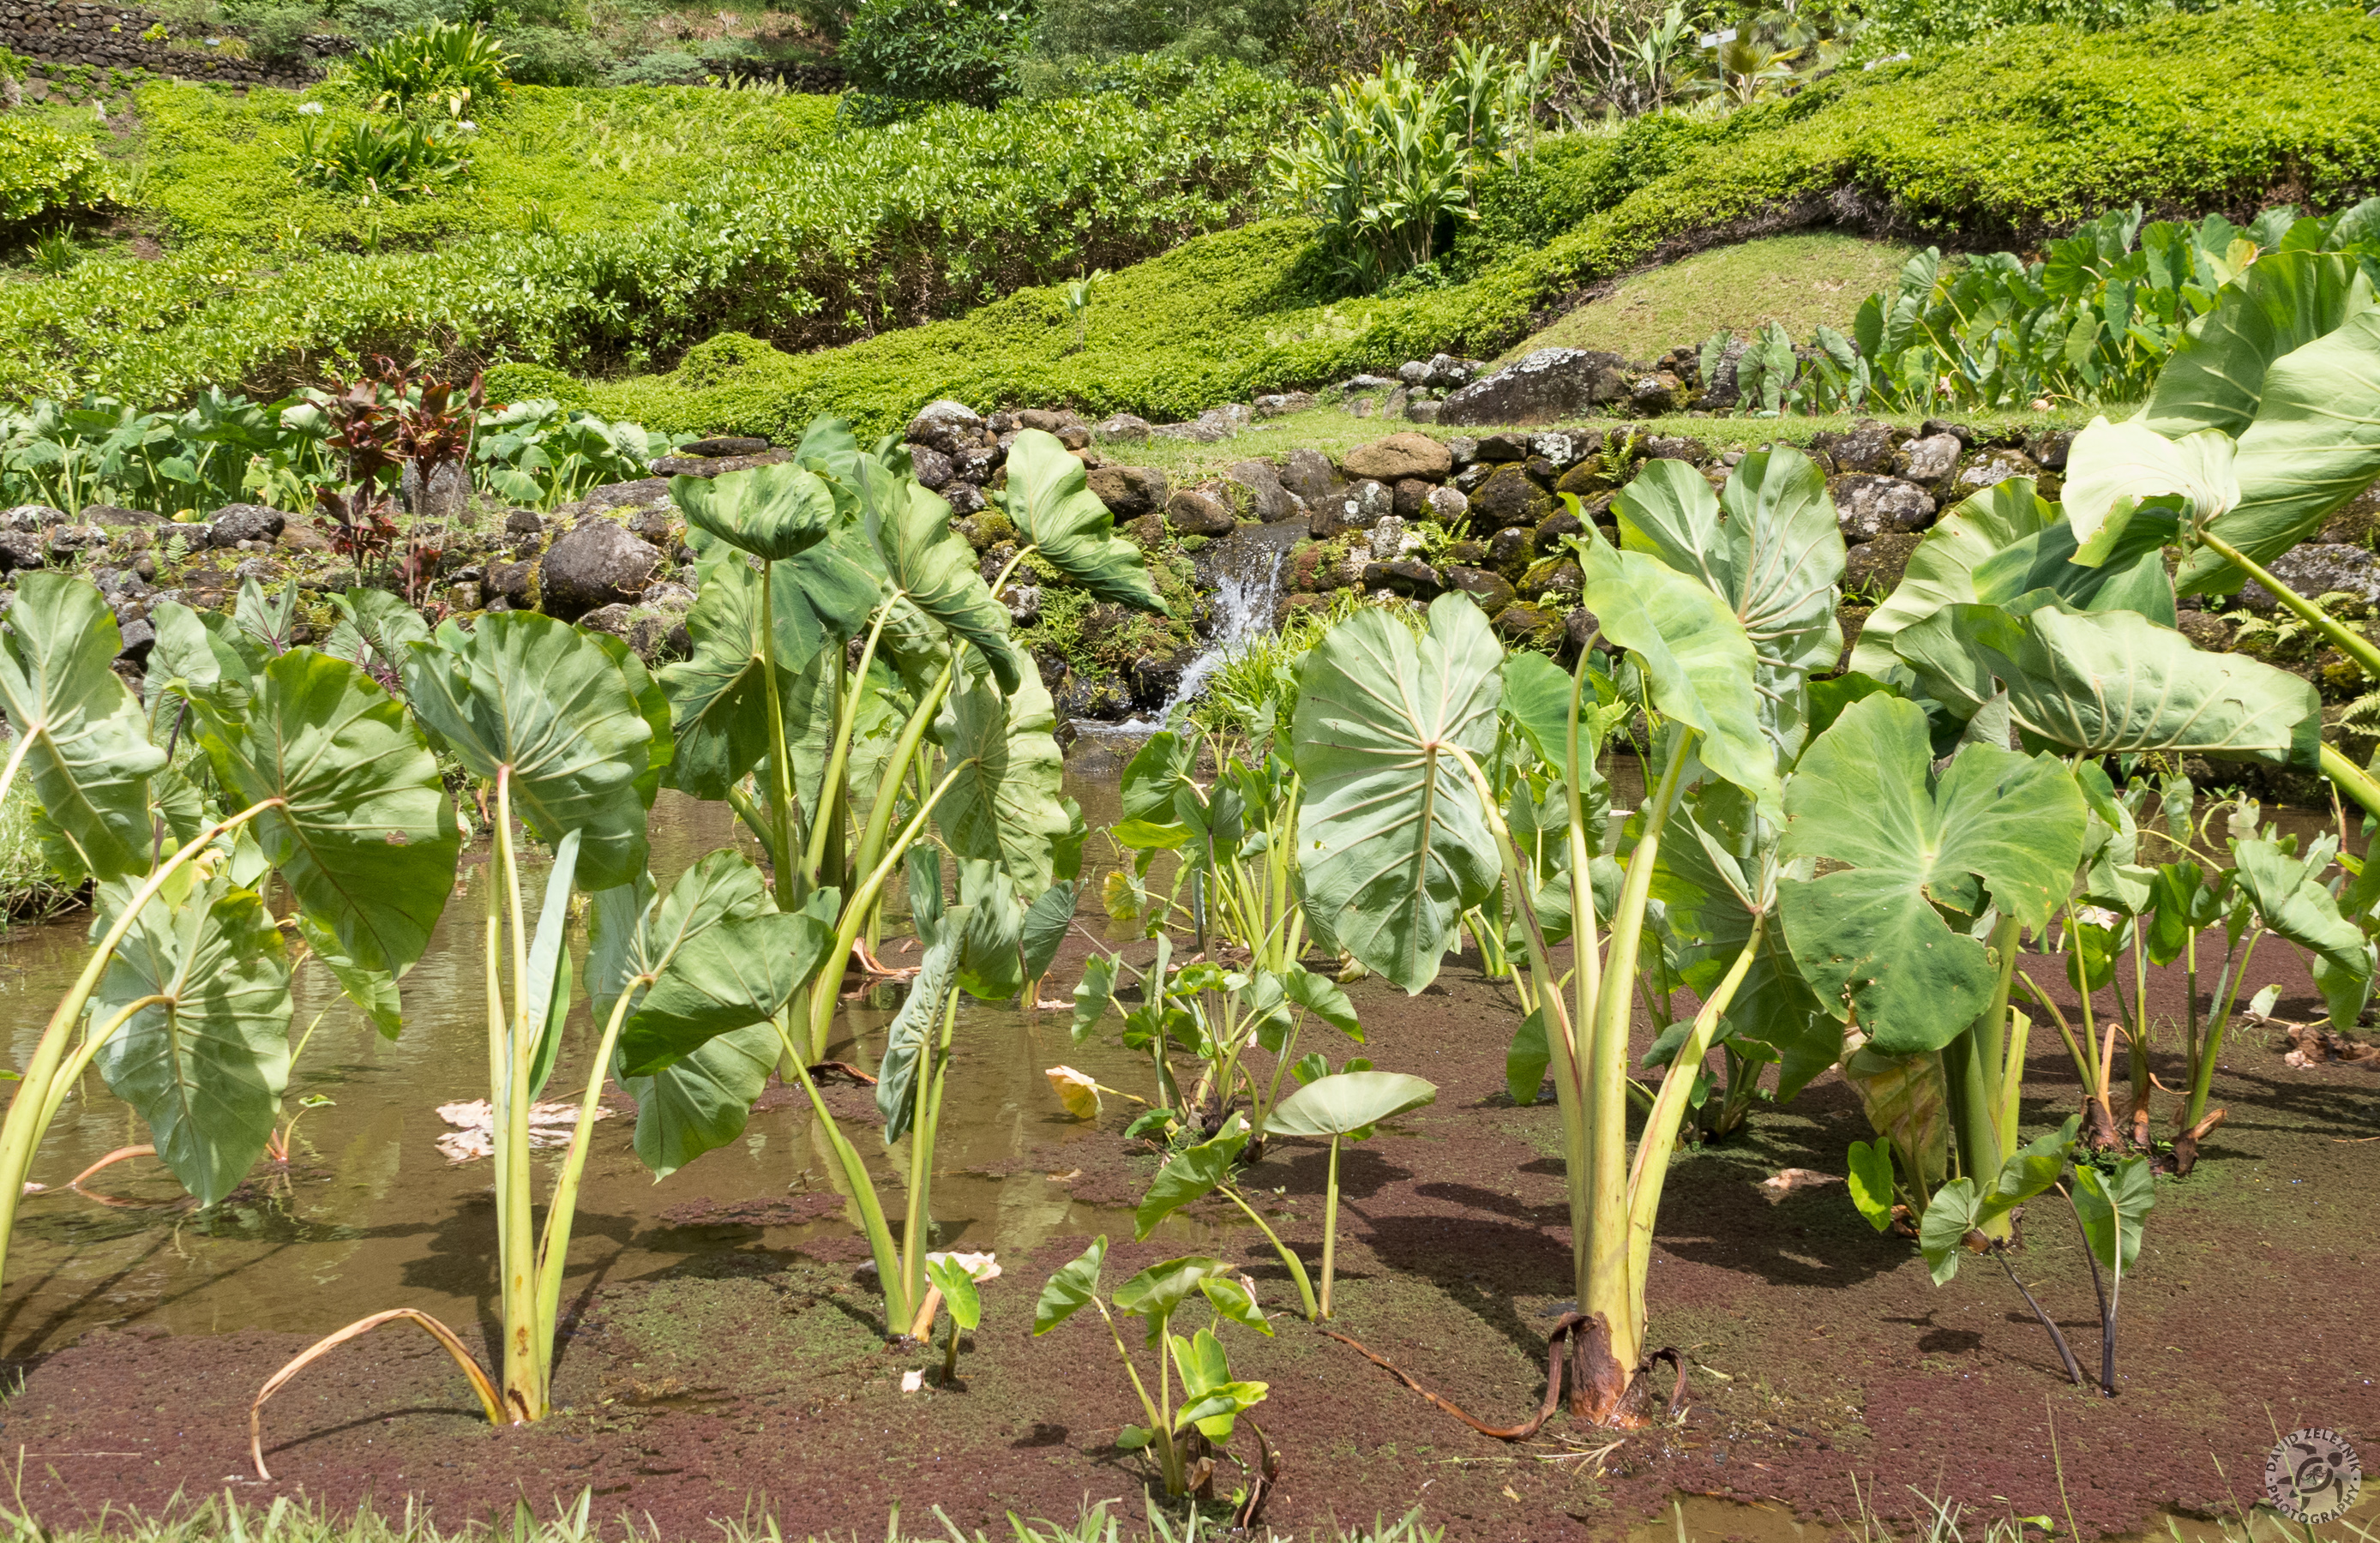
(44, 172)
(2034, 131)
(864, 231)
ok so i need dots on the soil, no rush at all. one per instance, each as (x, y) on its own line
(1819, 1353)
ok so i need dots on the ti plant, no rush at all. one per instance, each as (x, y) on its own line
(1182, 1434)
(2109, 1203)
(855, 696)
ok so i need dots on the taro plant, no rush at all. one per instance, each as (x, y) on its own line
(311, 774)
(1345, 1106)
(1183, 1434)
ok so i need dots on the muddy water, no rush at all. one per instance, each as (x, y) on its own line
(371, 1215)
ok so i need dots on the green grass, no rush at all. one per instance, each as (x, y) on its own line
(1802, 281)
(2034, 131)
(223, 1520)
(29, 891)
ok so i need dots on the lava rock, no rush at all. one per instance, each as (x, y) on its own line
(1398, 458)
(1530, 626)
(1657, 394)
(1875, 567)
(930, 465)
(116, 518)
(20, 549)
(717, 466)
(30, 518)
(594, 563)
(1281, 403)
(1509, 551)
(234, 523)
(65, 541)
(1308, 474)
(1491, 591)
(1551, 531)
(1504, 447)
(1551, 576)
(1129, 491)
(138, 638)
(725, 444)
(1193, 513)
(1359, 507)
(1930, 459)
(1449, 506)
(2318, 568)
(2049, 450)
(1993, 467)
(1122, 429)
(1675, 447)
(1933, 427)
(2205, 629)
(1509, 497)
(965, 498)
(1866, 447)
(947, 426)
(1866, 507)
(1403, 575)
(1421, 410)
(1256, 492)
(524, 525)
(1548, 384)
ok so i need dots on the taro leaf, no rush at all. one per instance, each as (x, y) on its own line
(374, 991)
(1907, 1101)
(1319, 995)
(733, 974)
(1536, 695)
(1527, 1060)
(1994, 828)
(547, 982)
(1069, 1290)
(206, 1070)
(1870, 1181)
(2113, 1206)
(2114, 468)
(1395, 847)
(1156, 1291)
(2005, 541)
(718, 696)
(932, 565)
(828, 446)
(2315, 444)
(958, 1291)
(1698, 663)
(652, 706)
(990, 967)
(2183, 904)
(542, 697)
(702, 1100)
(1828, 698)
(1048, 501)
(919, 1019)
(1957, 1209)
(1093, 994)
(1155, 776)
(1234, 1301)
(271, 624)
(772, 512)
(364, 838)
(1047, 921)
(1192, 1173)
(373, 630)
(1348, 1103)
(1004, 801)
(1211, 1400)
(89, 755)
(2292, 902)
(2111, 683)
(1770, 547)
(2030, 1169)
(2216, 377)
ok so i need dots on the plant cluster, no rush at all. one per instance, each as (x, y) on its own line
(2093, 319)
(45, 174)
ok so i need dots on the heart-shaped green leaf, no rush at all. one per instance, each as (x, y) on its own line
(772, 512)
(1994, 828)
(1003, 805)
(1346, 1102)
(933, 567)
(2291, 900)
(85, 740)
(1394, 845)
(2215, 378)
(1053, 505)
(364, 836)
(701, 1100)
(734, 973)
(1190, 1173)
(542, 700)
(920, 1018)
(2113, 1207)
(1069, 1290)
(205, 1070)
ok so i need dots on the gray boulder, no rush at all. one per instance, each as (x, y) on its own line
(1992, 467)
(1281, 403)
(32, 517)
(932, 468)
(1400, 457)
(1873, 568)
(1193, 513)
(1508, 496)
(1866, 507)
(234, 523)
(1931, 460)
(441, 495)
(118, 517)
(2318, 568)
(1548, 384)
(1308, 474)
(1866, 445)
(949, 427)
(20, 549)
(1122, 429)
(66, 541)
(1129, 491)
(1256, 492)
(715, 466)
(1360, 506)
(593, 564)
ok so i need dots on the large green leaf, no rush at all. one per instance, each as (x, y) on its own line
(1394, 847)
(1699, 663)
(2291, 900)
(701, 1099)
(772, 512)
(89, 757)
(1192, 1173)
(2114, 469)
(1069, 1290)
(540, 699)
(1050, 502)
(2216, 377)
(205, 1070)
(1994, 828)
(372, 632)
(1003, 805)
(736, 972)
(718, 696)
(933, 567)
(1770, 546)
(2113, 683)
(920, 1018)
(1907, 1101)
(2005, 541)
(2314, 445)
(364, 837)
(1347, 1102)
(2113, 1207)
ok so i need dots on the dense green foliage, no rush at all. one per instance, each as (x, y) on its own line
(935, 50)
(871, 229)
(44, 172)
(2042, 129)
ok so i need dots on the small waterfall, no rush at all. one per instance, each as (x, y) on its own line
(1249, 565)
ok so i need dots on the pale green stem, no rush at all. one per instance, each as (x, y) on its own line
(1660, 1136)
(27, 1120)
(828, 985)
(830, 785)
(780, 763)
(1306, 1297)
(917, 1225)
(562, 1211)
(2084, 1069)
(524, 1380)
(880, 813)
(1161, 1435)
(898, 1309)
(2202, 1084)
(81, 1060)
(1329, 1227)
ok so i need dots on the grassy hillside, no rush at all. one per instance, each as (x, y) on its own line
(1802, 281)
(2031, 133)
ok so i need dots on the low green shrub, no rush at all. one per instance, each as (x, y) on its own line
(448, 67)
(2032, 133)
(962, 50)
(867, 231)
(376, 158)
(45, 173)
